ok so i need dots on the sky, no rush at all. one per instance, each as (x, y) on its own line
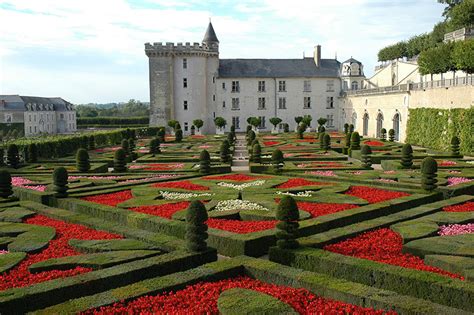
(92, 51)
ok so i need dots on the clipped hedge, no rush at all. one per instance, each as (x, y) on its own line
(104, 121)
(434, 128)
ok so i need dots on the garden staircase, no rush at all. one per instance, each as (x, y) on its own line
(240, 159)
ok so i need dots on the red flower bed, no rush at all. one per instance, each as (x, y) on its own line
(300, 182)
(184, 184)
(322, 164)
(58, 247)
(464, 207)
(306, 140)
(374, 143)
(163, 166)
(112, 199)
(234, 177)
(374, 195)
(241, 227)
(165, 211)
(201, 298)
(317, 209)
(385, 246)
(269, 143)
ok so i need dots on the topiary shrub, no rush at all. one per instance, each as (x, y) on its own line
(355, 142)
(286, 128)
(301, 129)
(196, 227)
(91, 143)
(383, 134)
(5, 184)
(250, 137)
(32, 153)
(257, 153)
(365, 152)
(429, 167)
(321, 140)
(120, 161)
(225, 152)
(13, 157)
(232, 129)
(84, 142)
(391, 135)
(455, 146)
(161, 134)
(154, 146)
(82, 161)
(60, 180)
(347, 143)
(231, 136)
(407, 156)
(178, 134)
(351, 128)
(288, 215)
(131, 149)
(326, 142)
(277, 161)
(204, 162)
(346, 128)
(126, 146)
(248, 129)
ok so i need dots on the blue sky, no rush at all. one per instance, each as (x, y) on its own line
(93, 50)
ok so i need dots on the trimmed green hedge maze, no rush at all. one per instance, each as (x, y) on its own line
(370, 239)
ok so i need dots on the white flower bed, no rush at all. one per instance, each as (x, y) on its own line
(306, 193)
(169, 195)
(237, 204)
(241, 186)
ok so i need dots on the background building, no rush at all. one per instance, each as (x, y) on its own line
(36, 115)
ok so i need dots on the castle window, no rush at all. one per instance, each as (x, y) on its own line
(235, 87)
(223, 104)
(185, 83)
(281, 86)
(223, 85)
(282, 103)
(236, 122)
(355, 85)
(330, 86)
(261, 103)
(307, 102)
(213, 79)
(214, 97)
(307, 86)
(261, 86)
(185, 63)
(185, 126)
(330, 102)
(330, 122)
(185, 105)
(262, 122)
(235, 103)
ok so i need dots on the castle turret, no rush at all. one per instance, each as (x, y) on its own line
(352, 74)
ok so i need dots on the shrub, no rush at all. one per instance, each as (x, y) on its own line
(365, 152)
(198, 123)
(326, 142)
(5, 184)
(161, 134)
(82, 161)
(383, 134)
(232, 129)
(204, 162)
(2, 162)
(91, 143)
(407, 156)
(298, 119)
(32, 153)
(355, 141)
(250, 137)
(172, 123)
(346, 128)
(347, 143)
(321, 139)
(321, 129)
(120, 161)
(391, 135)
(196, 228)
(286, 128)
(301, 129)
(126, 146)
(178, 135)
(225, 152)
(231, 137)
(257, 153)
(288, 215)
(455, 146)
(275, 121)
(13, 157)
(154, 146)
(84, 142)
(248, 128)
(220, 122)
(60, 180)
(429, 167)
(277, 161)
(131, 149)
(351, 128)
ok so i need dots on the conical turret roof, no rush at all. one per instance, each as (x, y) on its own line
(210, 35)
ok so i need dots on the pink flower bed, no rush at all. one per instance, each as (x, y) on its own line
(26, 183)
(456, 229)
(93, 177)
(452, 181)
(386, 180)
(446, 163)
(3, 252)
(322, 173)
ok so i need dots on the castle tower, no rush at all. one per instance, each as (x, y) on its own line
(352, 75)
(182, 81)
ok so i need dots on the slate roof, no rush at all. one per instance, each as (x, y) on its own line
(352, 60)
(210, 35)
(18, 102)
(277, 68)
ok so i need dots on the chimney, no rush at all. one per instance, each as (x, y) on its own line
(317, 55)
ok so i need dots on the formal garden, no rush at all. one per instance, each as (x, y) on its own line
(146, 220)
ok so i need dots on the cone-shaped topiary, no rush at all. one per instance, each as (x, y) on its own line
(326, 142)
(346, 128)
(126, 146)
(277, 161)
(196, 227)
(321, 140)
(91, 143)
(120, 161)
(351, 128)
(355, 141)
(5, 184)
(347, 143)
(391, 135)
(455, 146)
(301, 129)
(13, 157)
(154, 146)
(224, 151)
(286, 127)
(231, 136)
(32, 153)
(83, 164)
(250, 137)
(248, 128)
(204, 162)
(365, 152)
(161, 134)
(288, 215)
(131, 148)
(60, 180)
(383, 134)
(407, 156)
(429, 167)
(257, 153)
(178, 135)
(232, 129)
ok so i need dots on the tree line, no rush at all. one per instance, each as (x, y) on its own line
(133, 108)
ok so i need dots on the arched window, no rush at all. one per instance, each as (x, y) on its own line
(354, 120)
(355, 85)
(379, 124)
(396, 126)
(365, 126)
